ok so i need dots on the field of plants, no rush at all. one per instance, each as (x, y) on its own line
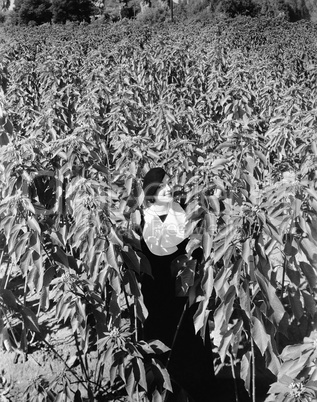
(227, 107)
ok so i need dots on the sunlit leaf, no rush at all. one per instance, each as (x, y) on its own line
(111, 257)
(245, 371)
(261, 338)
(207, 244)
(33, 224)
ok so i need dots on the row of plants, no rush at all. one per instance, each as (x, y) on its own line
(227, 108)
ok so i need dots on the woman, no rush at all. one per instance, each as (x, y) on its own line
(165, 235)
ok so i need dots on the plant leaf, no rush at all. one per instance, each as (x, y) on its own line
(258, 333)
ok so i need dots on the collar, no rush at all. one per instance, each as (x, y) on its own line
(160, 237)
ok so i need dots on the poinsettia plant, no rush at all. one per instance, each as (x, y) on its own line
(85, 117)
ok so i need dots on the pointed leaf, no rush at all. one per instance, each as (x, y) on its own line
(309, 302)
(49, 275)
(296, 304)
(245, 371)
(158, 347)
(7, 224)
(218, 162)
(60, 256)
(131, 259)
(30, 319)
(33, 224)
(8, 298)
(21, 246)
(207, 244)
(111, 257)
(142, 374)
(277, 310)
(13, 238)
(247, 251)
(310, 274)
(214, 205)
(34, 243)
(44, 298)
(258, 333)
(309, 249)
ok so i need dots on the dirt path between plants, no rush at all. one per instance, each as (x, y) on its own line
(38, 367)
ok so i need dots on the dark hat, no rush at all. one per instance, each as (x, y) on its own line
(152, 181)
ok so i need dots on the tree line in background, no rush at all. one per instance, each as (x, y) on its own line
(36, 12)
(57, 11)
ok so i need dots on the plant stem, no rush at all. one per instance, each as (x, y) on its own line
(283, 277)
(176, 333)
(135, 320)
(253, 370)
(6, 275)
(252, 356)
(127, 301)
(98, 373)
(282, 293)
(234, 378)
(137, 394)
(85, 366)
(1, 257)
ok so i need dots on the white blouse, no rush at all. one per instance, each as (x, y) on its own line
(162, 238)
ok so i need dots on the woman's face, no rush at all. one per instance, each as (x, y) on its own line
(164, 193)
